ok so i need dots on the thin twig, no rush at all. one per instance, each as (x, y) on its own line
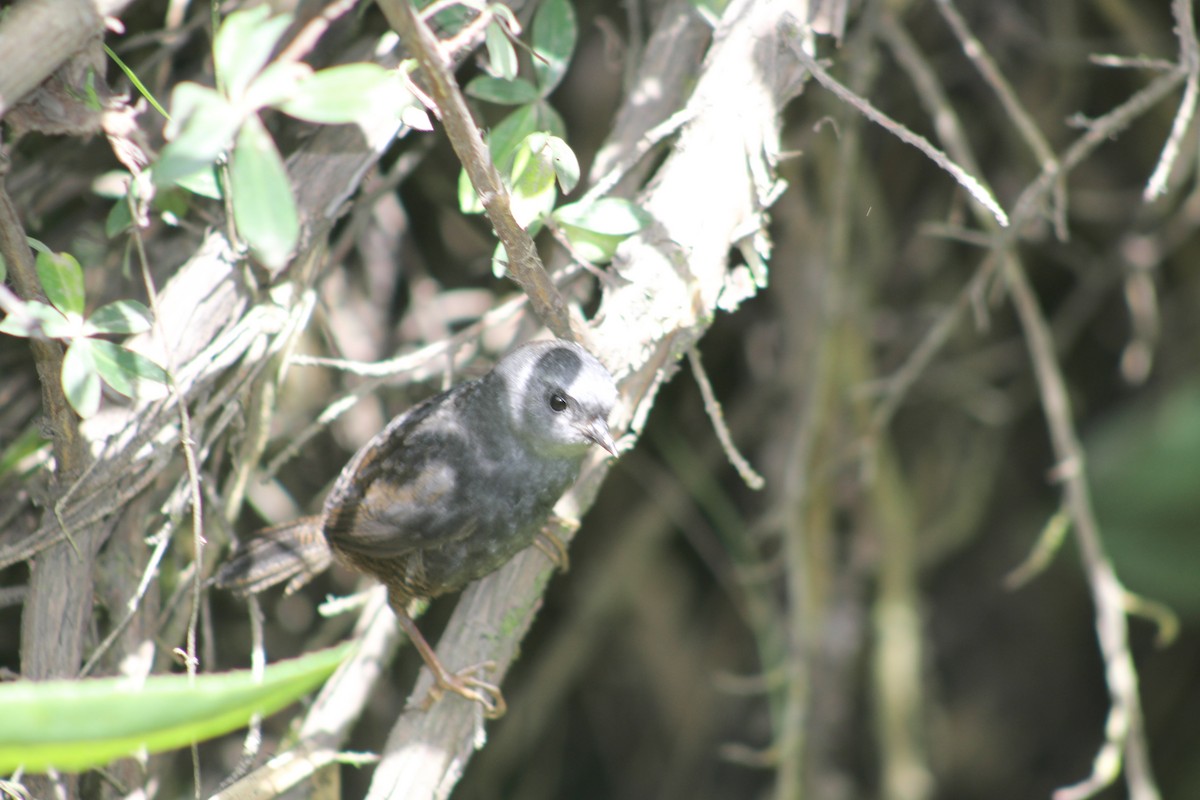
(1123, 732)
(970, 183)
(1189, 64)
(465, 137)
(713, 406)
(974, 50)
(187, 445)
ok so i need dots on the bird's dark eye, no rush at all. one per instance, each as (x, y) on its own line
(558, 403)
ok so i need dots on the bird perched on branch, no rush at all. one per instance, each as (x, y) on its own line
(450, 490)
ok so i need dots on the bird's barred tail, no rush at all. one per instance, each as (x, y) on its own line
(295, 552)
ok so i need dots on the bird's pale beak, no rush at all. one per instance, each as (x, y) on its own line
(597, 430)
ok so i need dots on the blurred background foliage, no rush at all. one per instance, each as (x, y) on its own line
(659, 666)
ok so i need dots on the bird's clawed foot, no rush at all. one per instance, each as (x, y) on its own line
(464, 684)
(549, 543)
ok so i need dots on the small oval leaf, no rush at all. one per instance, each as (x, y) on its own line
(340, 95)
(123, 369)
(122, 316)
(263, 206)
(62, 280)
(277, 83)
(32, 318)
(244, 44)
(497, 90)
(201, 129)
(502, 56)
(596, 229)
(609, 215)
(554, 33)
(80, 381)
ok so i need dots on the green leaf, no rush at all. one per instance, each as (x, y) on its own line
(276, 84)
(3, 268)
(244, 44)
(263, 206)
(503, 142)
(340, 95)
(554, 33)
(595, 230)
(566, 166)
(33, 317)
(62, 281)
(80, 381)
(76, 725)
(502, 56)
(119, 219)
(468, 200)
(608, 215)
(25, 445)
(202, 183)
(532, 179)
(499, 261)
(136, 81)
(201, 128)
(124, 369)
(122, 316)
(497, 90)
(504, 138)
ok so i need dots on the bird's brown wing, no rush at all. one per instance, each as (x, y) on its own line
(405, 489)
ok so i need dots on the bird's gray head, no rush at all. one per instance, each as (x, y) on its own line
(559, 397)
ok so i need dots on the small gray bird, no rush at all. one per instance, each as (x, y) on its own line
(450, 490)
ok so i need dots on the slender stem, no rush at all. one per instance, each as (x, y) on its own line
(523, 262)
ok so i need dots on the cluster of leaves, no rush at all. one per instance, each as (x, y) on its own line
(209, 123)
(89, 360)
(528, 146)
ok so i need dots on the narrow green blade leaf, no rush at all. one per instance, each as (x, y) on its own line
(263, 206)
(62, 280)
(123, 316)
(80, 381)
(124, 370)
(554, 33)
(136, 81)
(77, 725)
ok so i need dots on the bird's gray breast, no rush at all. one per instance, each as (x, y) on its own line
(506, 498)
